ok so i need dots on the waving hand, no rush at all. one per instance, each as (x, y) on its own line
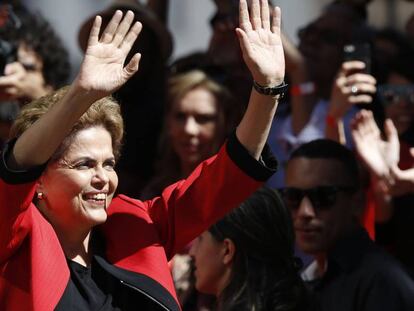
(103, 69)
(260, 41)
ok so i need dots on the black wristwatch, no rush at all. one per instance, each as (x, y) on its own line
(271, 90)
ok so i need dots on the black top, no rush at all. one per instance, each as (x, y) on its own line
(82, 292)
(360, 276)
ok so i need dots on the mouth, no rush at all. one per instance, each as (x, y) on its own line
(96, 199)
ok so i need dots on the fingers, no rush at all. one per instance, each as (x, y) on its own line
(265, 14)
(244, 20)
(352, 66)
(132, 66)
(244, 41)
(110, 29)
(94, 34)
(123, 28)
(391, 133)
(130, 38)
(276, 20)
(259, 17)
(255, 17)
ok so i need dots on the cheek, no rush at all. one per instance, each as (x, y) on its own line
(64, 185)
(113, 181)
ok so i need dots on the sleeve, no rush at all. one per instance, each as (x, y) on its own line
(219, 184)
(390, 289)
(16, 192)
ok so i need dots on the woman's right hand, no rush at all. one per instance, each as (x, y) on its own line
(103, 70)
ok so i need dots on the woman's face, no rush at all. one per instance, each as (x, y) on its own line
(211, 271)
(193, 126)
(401, 111)
(80, 185)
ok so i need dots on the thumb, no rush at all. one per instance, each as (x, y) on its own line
(391, 133)
(244, 42)
(412, 152)
(132, 67)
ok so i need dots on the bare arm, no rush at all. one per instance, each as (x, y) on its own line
(101, 73)
(261, 44)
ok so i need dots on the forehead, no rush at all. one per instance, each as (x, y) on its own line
(93, 142)
(198, 100)
(303, 172)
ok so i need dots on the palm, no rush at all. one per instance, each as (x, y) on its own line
(261, 42)
(266, 57)
(378, 154)
(103, 68)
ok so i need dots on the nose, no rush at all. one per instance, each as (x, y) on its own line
(191, 126)
(192, 251)
(100, 177)
(306, 208)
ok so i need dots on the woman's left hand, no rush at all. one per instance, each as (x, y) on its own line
(261, 43)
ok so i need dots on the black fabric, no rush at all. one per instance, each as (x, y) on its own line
(259, 170)
(99, 288)
(14, 177)
(361, 277)
(397, 234)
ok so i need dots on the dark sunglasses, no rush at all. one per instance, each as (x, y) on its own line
(393, 94)
(322, 197)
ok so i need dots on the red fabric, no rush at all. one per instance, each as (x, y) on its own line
(140, 236)
(368, 216)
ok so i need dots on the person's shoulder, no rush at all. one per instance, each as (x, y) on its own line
(122, 202)
(385, 268)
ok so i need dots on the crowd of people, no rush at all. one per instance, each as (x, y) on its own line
(255, 175)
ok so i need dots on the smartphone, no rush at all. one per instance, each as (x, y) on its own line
(359, 51)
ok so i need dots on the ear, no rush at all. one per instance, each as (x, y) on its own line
(39, 185)
(229, 251)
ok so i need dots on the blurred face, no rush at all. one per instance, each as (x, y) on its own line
(30, 60)
(193, 127)
(80, 185)
(400, 109)
(210, 271)
(324, 214)
(321, 43)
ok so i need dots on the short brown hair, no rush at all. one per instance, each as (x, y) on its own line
(104, 112)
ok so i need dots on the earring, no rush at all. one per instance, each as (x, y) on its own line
(40, 196)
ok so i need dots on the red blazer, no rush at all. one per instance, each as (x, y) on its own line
(140, 236)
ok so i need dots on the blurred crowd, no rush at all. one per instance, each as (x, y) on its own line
(343, 136)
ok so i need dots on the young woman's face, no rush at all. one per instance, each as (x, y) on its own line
(401, 111)
(80, 185)
(193, 126)
(211, 272)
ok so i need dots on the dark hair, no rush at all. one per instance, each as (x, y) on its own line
(329, 149)
(265, 272)
(39, 35)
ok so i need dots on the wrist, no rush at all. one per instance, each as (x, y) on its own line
(277, 91)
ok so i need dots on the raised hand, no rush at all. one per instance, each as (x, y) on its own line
(261, 43)
(380, 155)
(350, 87)
(103, 69)
(19, 83)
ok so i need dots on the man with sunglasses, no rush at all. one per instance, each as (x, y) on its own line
(349, 271)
